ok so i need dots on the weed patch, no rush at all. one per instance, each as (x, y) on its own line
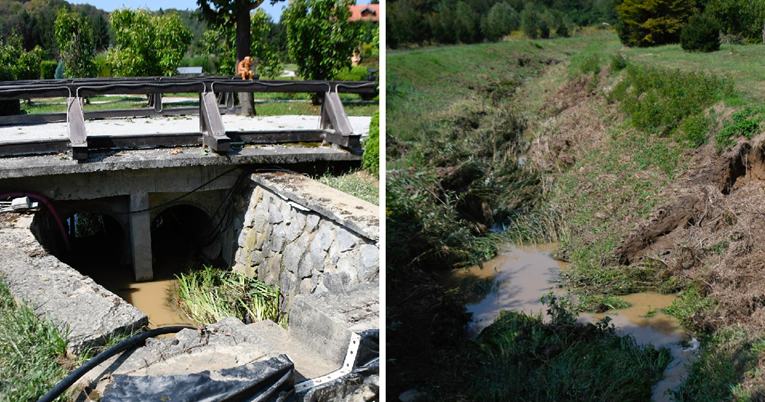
(211, 294)
(359, 184)
(689, 303)
(30, 351)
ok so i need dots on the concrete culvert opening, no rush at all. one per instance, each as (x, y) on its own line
(182, 238)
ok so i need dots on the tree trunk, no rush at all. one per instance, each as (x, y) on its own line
(242, 51)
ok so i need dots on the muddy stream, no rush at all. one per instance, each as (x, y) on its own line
(517, 278)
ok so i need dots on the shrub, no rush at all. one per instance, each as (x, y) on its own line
(48, 69)
(28, 65)
(74, 37)
(371, 159)
(652, 22)
(695, 129)
(562, 30)
(501, 20)
(530, 21)
(591, 64)
(544, 30)
(358, 73)
(701, 34)
(657, 99)
(744, 123)
(618, 62)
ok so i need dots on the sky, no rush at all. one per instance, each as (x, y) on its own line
(275, 11)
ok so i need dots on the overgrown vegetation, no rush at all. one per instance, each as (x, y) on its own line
(32, 352)
(371, 158)
(210, 294)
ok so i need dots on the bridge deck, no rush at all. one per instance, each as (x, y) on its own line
(167, 125)
(160, 158)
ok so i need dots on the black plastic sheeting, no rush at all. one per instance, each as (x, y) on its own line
(367, 364)
(271, 380)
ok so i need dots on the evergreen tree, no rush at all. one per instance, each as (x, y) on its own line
(652, 22)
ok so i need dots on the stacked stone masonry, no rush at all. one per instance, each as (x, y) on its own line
(284, 242)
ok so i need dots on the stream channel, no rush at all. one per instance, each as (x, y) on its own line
(519, 276)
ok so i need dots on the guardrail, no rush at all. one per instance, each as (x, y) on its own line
(334, 122)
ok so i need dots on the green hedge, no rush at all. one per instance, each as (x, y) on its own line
(48, 69)
(371, 159)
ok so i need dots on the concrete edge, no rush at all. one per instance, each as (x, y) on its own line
(344, 209)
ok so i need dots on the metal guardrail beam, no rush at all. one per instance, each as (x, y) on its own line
(211, 124)
(78, 137)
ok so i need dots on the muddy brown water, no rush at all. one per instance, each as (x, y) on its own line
(518, 277)
(150, 297)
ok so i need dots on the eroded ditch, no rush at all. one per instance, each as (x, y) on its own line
(517, 279)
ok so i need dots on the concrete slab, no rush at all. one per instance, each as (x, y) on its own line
(49, 165)
(356, 214)
(325, 322)
(308, 362)
(226, 344)
(56, 290)
(167, 125)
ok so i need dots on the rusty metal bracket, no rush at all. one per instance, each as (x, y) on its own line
(211, 124)
(334, 121)
(78, 137)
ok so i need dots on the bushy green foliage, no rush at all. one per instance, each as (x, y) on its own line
(562, 30)
(357, 73)
(652, 22)
(454, 23)
(146, 44)
(48, 69)
(530, 21)
(696, 129)
(700, 34)
(319, 36)
(744, 123)
(618, 62)
(658, 99)
(75, 41)
(21, 64)
(521, 355)
(601, 303)
(101, 63)
(221, 43)
(590, 64)
(371, 159)
(28, 64)
(260, 27)
(743, 19)
(501, 20)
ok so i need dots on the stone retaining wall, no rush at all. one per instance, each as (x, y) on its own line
(306, 237)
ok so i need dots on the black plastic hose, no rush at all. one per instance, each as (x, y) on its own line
(129, 343)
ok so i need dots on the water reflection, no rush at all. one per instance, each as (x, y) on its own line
(519, 276)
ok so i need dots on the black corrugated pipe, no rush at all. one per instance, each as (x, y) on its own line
(129, 343)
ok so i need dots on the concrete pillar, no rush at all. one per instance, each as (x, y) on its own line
(140, 237)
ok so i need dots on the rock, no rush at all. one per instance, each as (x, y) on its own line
(346, 267)
(345, 239)
(256, 258)
(242, 239)
(305, 267)
(311, 222)
(325, 235)
(292, 232)
(305, 286)
(292, 256)
(274, 214)
(369, 262)
(249, 217)
(318, 257)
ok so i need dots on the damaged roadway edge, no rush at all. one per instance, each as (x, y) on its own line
(73, 302)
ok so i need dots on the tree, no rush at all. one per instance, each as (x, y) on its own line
(652, 22)
(501, 20)
(100, 32)
(222, 42)
(700, 34)
(145, 44)
(234, 13)
(75, 42)
(530, 21)
(319, 37)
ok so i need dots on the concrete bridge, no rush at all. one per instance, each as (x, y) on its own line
(131, 173)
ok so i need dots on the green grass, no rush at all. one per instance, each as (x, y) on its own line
(210, 294)
(729, 368)
(31, 350)
(690, 301)
(358, 184)
(601, 303)
(521, 357)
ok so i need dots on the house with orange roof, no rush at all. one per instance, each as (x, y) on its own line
(365, 12)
